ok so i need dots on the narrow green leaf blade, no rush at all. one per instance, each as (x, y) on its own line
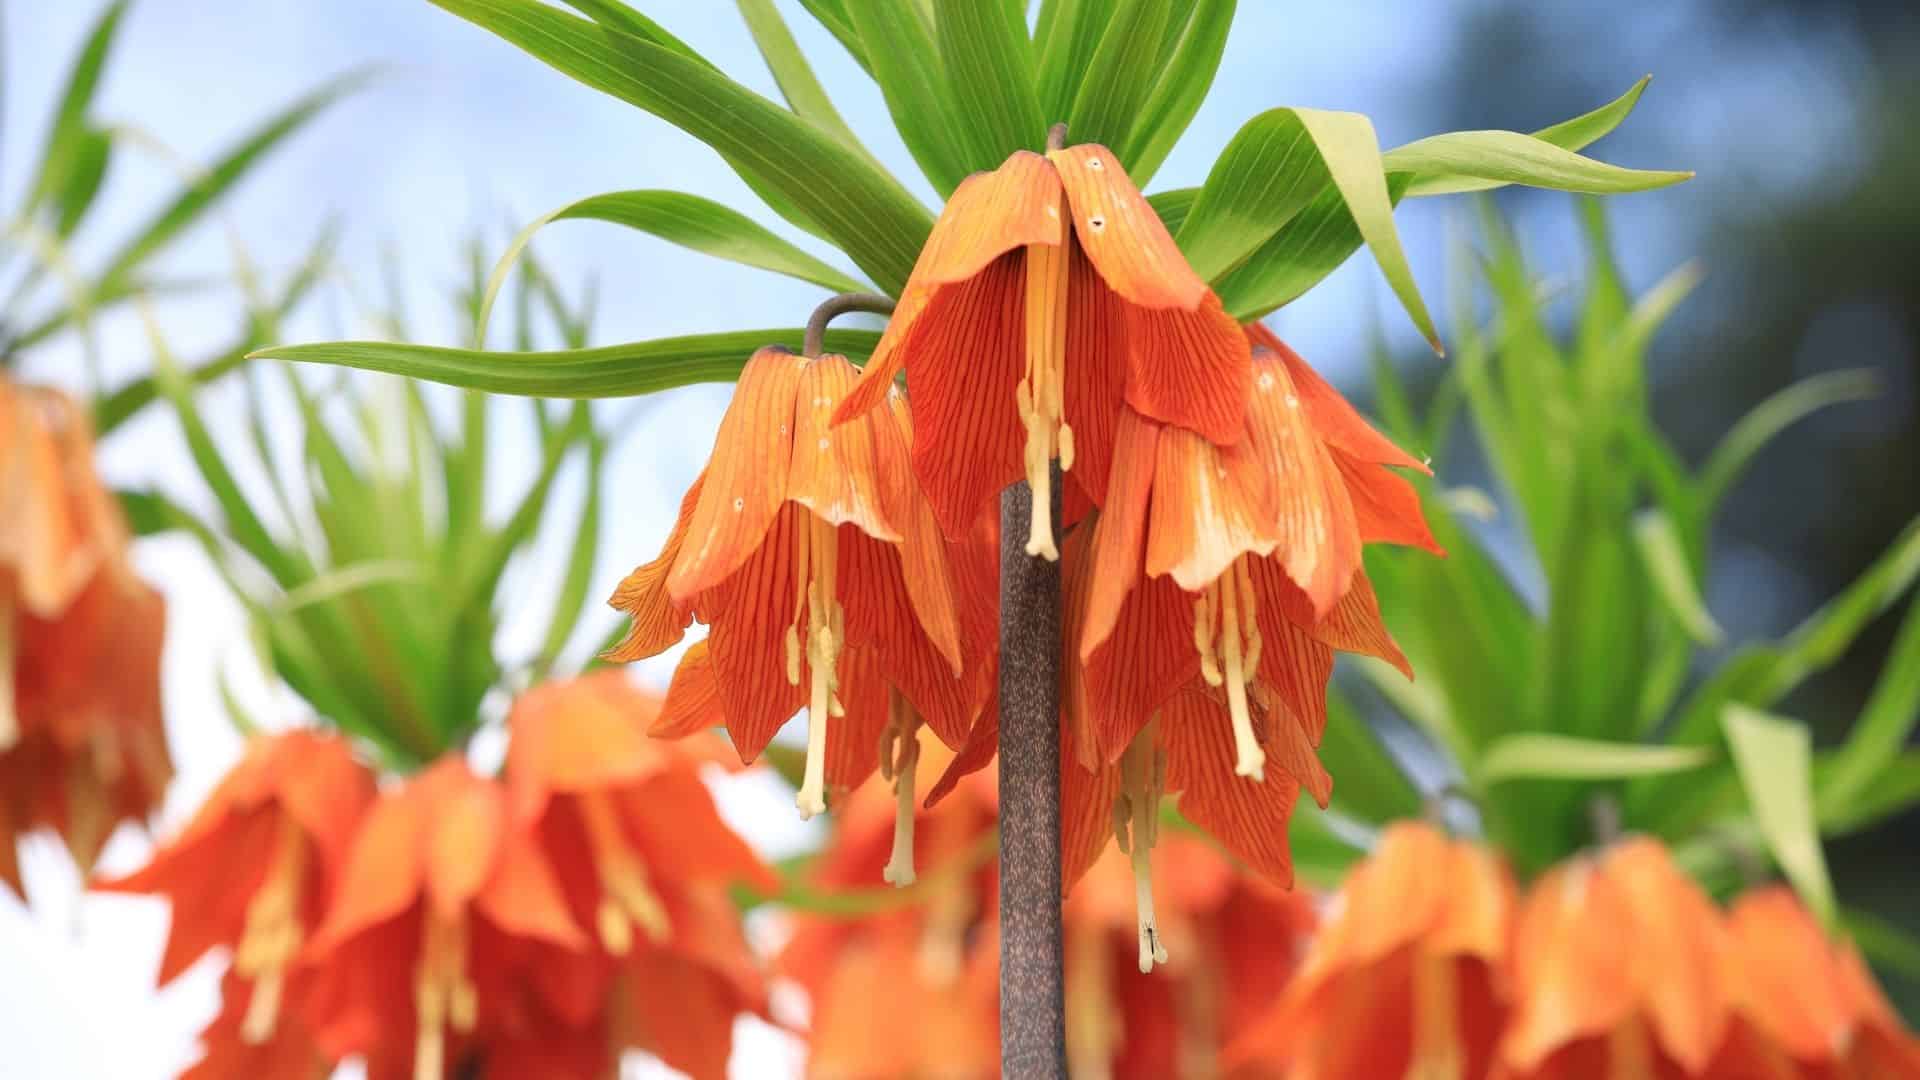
(1440, 162)
(989, 66)
(1065, 37)
(1542, 756)
(1184, 81)
(906, 63)
(1772, 416)
(69, 128)
(1665, 558)
(609, 371)
(1872, 748)
(794, 75)
(1775, 759)
(1575, 134)
(1116, 83)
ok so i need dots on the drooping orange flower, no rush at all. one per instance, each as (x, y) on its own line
(820, 572)
(253, 869)
(230, 1046)
(1404, 977)
(643, 857)
(911, 990)
(1048, 293)
(1805, 1005)
(447, 935)
(82, 747)
(1621, 968)
(1208, 560)
(1237, 942)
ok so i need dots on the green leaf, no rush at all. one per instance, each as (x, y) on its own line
(618, 16)
(793, 74)
(906, 64)
(688, 220)
(1575, 134)
(1439, 163)
(1872, 748)
(1117, 79)
(1372, 785)
(989, 65)
(609, 371)
(1184, 81)
(68, 134)
(1775, 759)
(1885, 943)
(1894, 789)
(1540, 756)
(1772, 416)
(1665, 558)
(1174, 206)
(860, 208)
(1065, 37)
(832, 14)
(91, 155)
(1268, 173)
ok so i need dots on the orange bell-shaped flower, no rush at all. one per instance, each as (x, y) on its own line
(1621, 968)
(1403, 978)
(820, 572)
(1805, 1005)
(253, 869)
(447, 931)
(230, 1046)
(1048, 293)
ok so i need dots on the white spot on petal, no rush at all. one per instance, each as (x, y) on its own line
(739, 504)
(1096, 223)
(1266, 380)
(1095, 163)
(825, 442)
(1292, 402)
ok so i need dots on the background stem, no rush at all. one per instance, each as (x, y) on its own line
(1032, 1003)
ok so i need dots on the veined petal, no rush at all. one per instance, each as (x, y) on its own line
(883, 617)
(674, 820)
(1211, 505)
(1337, 421)
(1354, 624)
(853, 740)
(746, 479)
(1249, 818)
(835, 472)
(1086, 809)
(983, 742)
(1146, 660)
(752, 613)
(658, 622)
(693, 697)
(1190, 368)
(522, 897)
(1386, 507)
(1093, 376)
(1318, 538)
(924, 552)
(987, 216)
(1292, 742)
(1119, 231)
(964, 362)
(1120, 533)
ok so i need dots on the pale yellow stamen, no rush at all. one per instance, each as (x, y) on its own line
(1229, 610)
(443, 996)
(270, 937)
(825, 635)
(899, 758)
(1437, 1053)
(1039, 397)
(627, 899)
(1143, 777)
(9, 714)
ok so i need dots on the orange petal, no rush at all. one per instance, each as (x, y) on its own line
(752, 612)
(576, 734)
(658, 622)
(1353, 625)
(1191, 368)
(1249, 818)
(693, 697)
(1121, 234)
(1339, 424)
(1120, 533)
(835, 472)
(680, 831)
(1086, 810)
(988, 215)
(60, 523)
(1292, 741)
(1787, 965)
(680, 1012)
(882, 618)
(1572, 979)
(964, 361)
(323, 787)
(853, 740)
(746, 480)
(385, 868)
(924, 550)
(1094, 375)
(1149, 657)
(1386, 507)
(1682, 949)
(1318, 538)
(983, 743)
(522, 897)
(1211, 505)
(464, 837)
(1480, 905)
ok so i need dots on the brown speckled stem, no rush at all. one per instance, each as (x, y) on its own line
(1033, 1033)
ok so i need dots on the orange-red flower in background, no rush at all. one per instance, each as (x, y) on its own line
(252, 871)
(1621, 968)
(643, 857)
(1404, 976)
(82, 747)
(447, 936)
(820, 571)
(1804, 1005)
(231, 1048)
(1049, 293)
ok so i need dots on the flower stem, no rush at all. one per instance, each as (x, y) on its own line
(1032, 1005)
(833, 308)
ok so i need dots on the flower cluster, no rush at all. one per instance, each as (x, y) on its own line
(1614, 964)
(536, 925)
(1218, 496)
(82, 746)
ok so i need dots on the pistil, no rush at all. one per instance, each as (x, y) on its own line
(1136, 828)
(816, 563)
(1039, 396)
(899, 759)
